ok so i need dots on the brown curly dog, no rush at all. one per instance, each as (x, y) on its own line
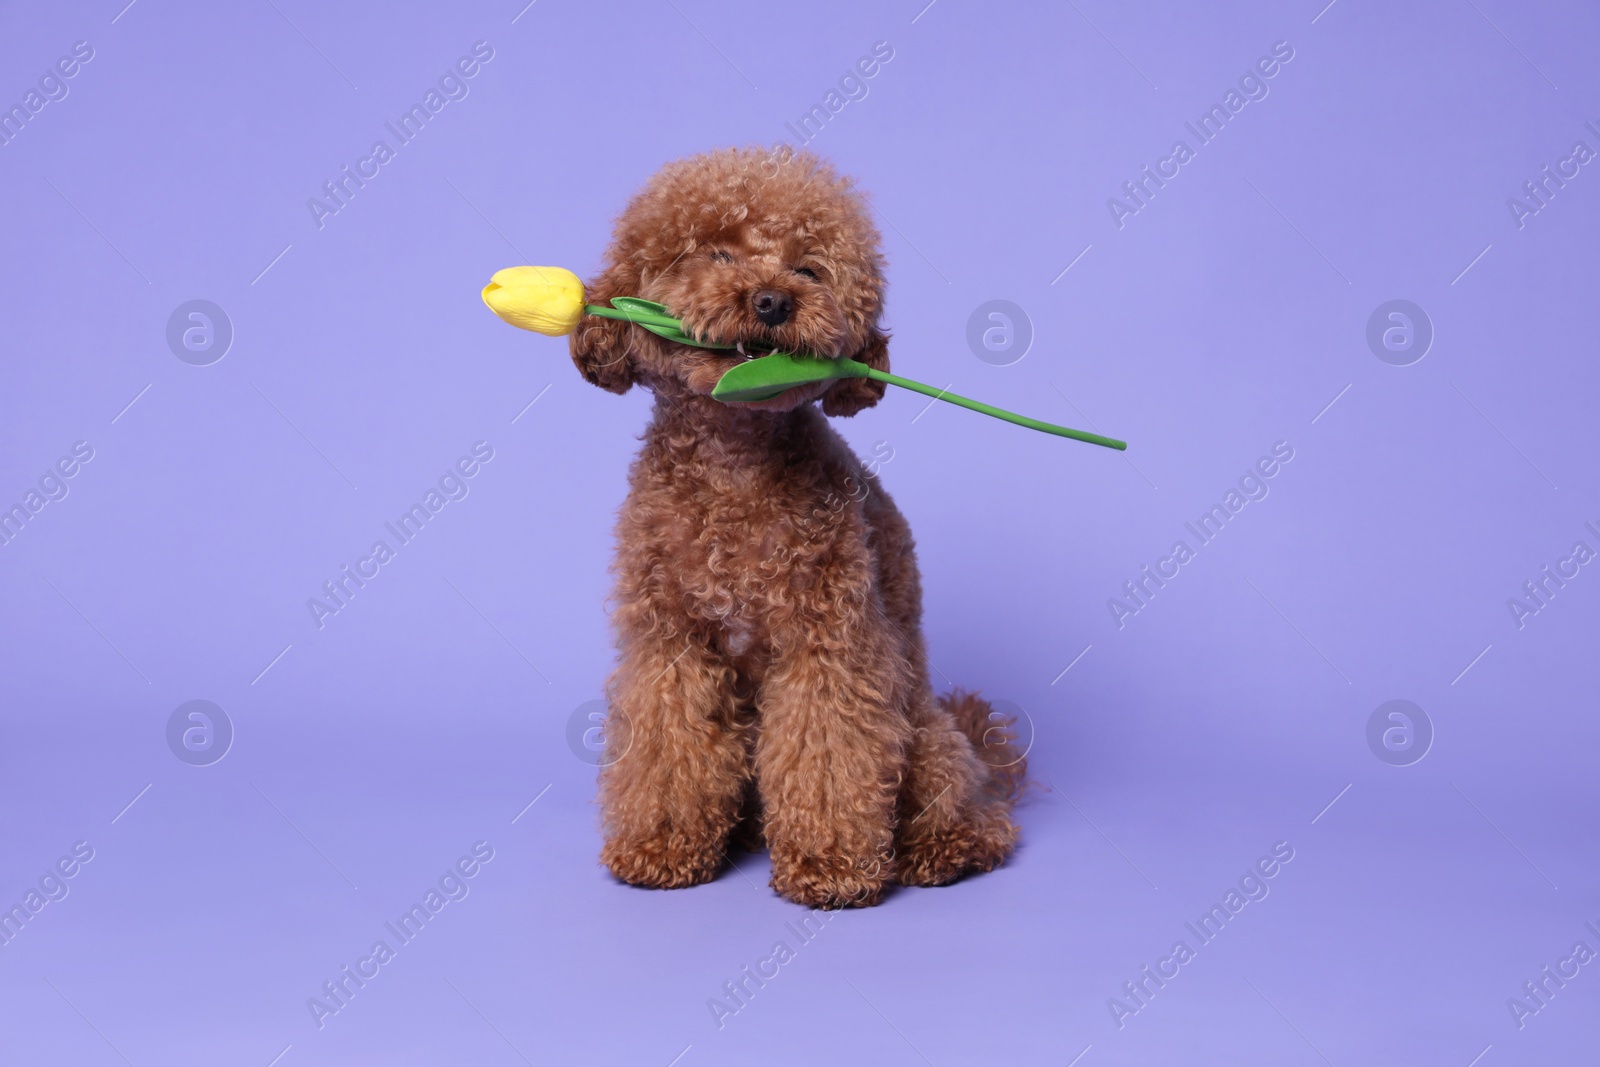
(773, 678)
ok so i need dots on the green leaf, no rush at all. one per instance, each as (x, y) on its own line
(672, 333)
(633, 303)
(653, 317)
(769, 376)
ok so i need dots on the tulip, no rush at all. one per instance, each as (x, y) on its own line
(547, 300)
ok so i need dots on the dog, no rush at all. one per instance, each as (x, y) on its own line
(772, 681)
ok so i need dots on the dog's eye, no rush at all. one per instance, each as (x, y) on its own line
(721, 257)
(807, 271)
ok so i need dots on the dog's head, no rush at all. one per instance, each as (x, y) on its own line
(766, 250)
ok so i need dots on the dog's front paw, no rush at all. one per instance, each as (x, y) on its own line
(667, 862)
(829, 882)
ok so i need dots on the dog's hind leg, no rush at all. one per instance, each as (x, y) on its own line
(955, 805)
(964, 772)
(674, 789)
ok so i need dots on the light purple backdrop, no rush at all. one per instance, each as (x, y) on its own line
(1441, 860)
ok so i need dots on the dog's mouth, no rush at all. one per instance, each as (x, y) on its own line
(741, 349)
(717, 339)
(746, 341)
(754, 346)
(753, 349)
(709, 358)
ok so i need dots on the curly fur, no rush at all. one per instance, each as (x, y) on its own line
(772, 681)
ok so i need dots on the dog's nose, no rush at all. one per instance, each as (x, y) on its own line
(772, 306)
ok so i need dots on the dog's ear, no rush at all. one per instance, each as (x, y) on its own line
(850, 395)
(602, 349)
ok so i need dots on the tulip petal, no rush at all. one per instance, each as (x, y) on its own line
(546, 300)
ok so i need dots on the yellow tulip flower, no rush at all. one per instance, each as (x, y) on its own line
(546, 300)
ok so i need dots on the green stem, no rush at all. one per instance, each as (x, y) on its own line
(999, 413)
(653, 319)
(643, 317)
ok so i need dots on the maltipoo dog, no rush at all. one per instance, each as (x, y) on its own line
(773, 681)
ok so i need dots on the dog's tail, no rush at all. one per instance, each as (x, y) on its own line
(995, 740)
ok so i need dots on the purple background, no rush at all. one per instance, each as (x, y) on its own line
(1223, 317)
